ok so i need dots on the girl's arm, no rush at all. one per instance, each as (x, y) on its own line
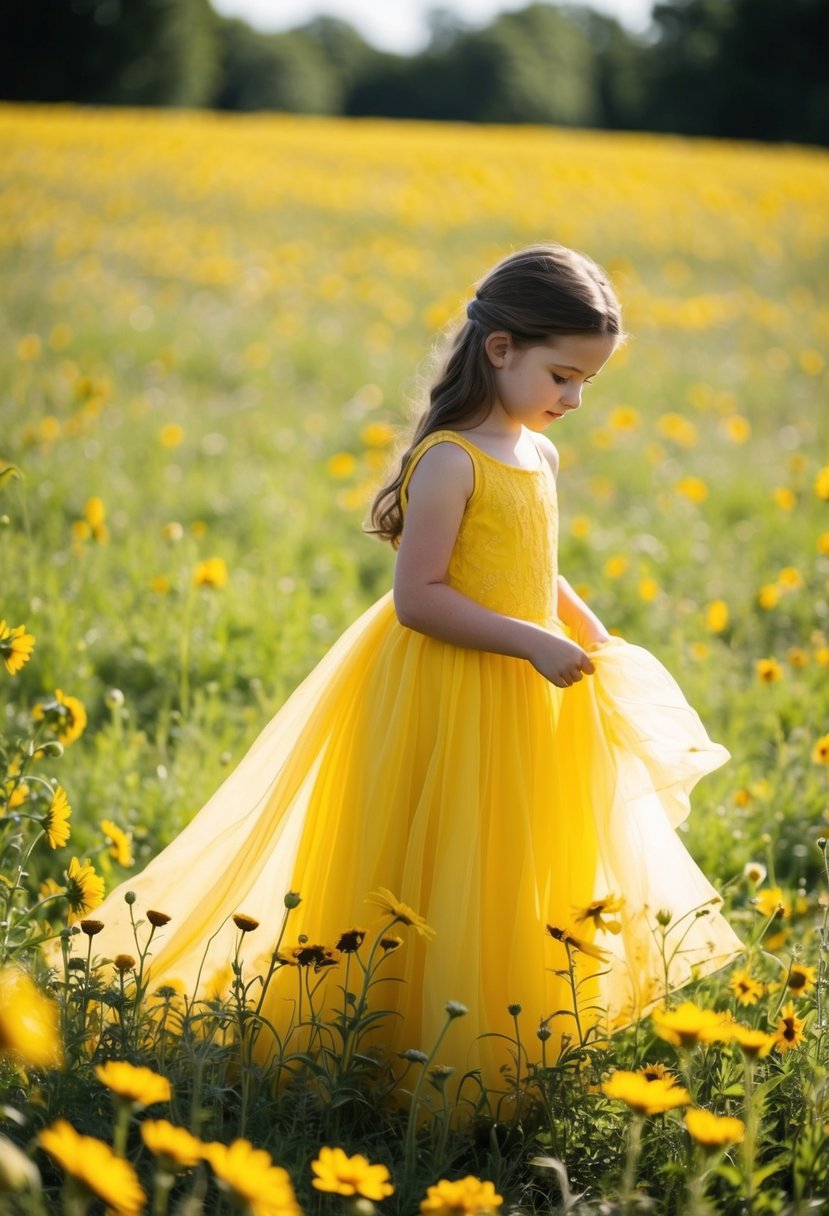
(575, 614)
(438, 491)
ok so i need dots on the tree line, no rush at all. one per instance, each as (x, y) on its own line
(744, 69)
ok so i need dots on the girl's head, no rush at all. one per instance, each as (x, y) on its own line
(534, 296)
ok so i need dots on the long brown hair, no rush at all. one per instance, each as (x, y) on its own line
(534, 294)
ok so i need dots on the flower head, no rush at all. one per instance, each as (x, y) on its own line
(713, 1131)
(801, 978)
(139, 1086)
(820, 751)
(123, 963)
(16, 646)
(342, 1175)
(315, 956)
(745, 987)
(96, 1167)
(789, 1029)
(646, 1097)
(768, 671)
(84, 888)
(568, 939)
(468, 1196)
(64, 715)
(250, 1174)
(28, 1021)
(688, 1024)
(246, 923)
(55, 824)
(350, 941)
(400, 911)
(120, 842)
(175, 1147)
(157, 919)
(599, 910)
(212, 572)
(753, 1043)
(771, 901)
(754, 871)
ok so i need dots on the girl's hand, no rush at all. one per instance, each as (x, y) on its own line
(559, 660)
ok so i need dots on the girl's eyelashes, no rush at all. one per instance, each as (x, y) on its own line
(564, 379)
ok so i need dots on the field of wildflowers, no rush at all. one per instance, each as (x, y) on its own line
(216, 330)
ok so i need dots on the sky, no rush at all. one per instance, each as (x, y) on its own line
(400, 25)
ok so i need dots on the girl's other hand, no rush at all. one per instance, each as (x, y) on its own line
(559, 660)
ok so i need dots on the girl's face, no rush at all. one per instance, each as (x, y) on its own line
(537, 385)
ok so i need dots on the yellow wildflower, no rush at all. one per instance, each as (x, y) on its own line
(822, 483)
(55, 825)
(16, 646)
(678, 429)
(745, 987)
(737, 428)
(768, 596)
(716, 616)
(212, 572)
(797, 657)
(644, 1096)
(625, 418)
(599, 909)
(250, 1174)
(790, 578)
(713, 1131)
(768, 671)
(753, 1043)
(341, 465)
(65, 716)
(820, 751)
(342, 1175)
(120, 842)
(139, 1086)
(822, 544)
(28, 1021)
(789, 1029)
(468, 1196)
(94, 514)
(754, 871)
(175, 1148)
(689, 1024)
(96, 1167)
(84, 888)
(171, 435)
(377, 435)
(784, 498)
(400, 911)
(771, 900)
(801, 978)
(615, 566)
(569, 939)
(692, 488)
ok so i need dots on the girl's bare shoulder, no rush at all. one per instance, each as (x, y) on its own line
(548, 450)
(444, 462)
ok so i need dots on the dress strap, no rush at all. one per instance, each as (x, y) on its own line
(431, 441)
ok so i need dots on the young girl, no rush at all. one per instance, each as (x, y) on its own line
(476, 744)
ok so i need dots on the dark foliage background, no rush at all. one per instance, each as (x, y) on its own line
(746, 69)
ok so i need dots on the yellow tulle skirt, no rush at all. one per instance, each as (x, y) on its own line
(494, 805)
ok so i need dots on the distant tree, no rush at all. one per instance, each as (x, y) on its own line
(619, 77)
(273, 72)
(535, 65)
(751, 69)
(108, 52)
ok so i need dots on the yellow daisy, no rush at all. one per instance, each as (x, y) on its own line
(55, 825)
(342, 1175)
(646, 1097)
(250, 1174)
(16, 646)
(84, 888)
(713, 1131)
(400, 911)
(139, 1086)
(96, 1167)
(789, 1030)
(467, 1196)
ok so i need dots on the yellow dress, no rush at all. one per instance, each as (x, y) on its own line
(489, 800)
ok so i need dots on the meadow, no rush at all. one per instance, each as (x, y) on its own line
(218, 330)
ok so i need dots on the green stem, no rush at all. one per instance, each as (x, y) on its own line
(411, 1129)
(631, 1161)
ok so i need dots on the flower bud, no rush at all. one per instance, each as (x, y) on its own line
(455, 1009)
(513, 1010)
(414, 1056)
(664, 916)
(130, 898)
(114, 698)
(821, 842)
(292, 899)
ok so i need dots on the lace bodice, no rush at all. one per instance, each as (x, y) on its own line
(506, 553)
